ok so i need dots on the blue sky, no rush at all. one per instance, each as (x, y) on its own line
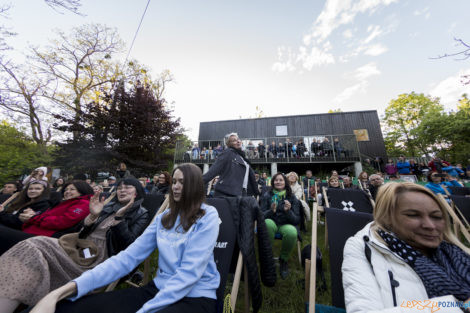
(287, 57)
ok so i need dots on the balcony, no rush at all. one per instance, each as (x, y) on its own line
(315, 149)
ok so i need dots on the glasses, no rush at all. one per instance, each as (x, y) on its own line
(125, 187)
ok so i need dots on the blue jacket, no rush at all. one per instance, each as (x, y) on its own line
(437, 188)
(186, 266)
(403, 167)
(453, 171)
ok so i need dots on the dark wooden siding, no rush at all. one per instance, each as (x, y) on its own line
(303, 125)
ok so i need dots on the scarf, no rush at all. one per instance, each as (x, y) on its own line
(278, 196)
(446, 271)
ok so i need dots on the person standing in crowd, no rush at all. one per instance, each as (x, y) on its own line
(338, 147)
(436, 182)
(288, 148)
(187, 276)
(403, 166)
(436, 164)
(195, 151)
(272, 150)
(390, 168)
(326, 147)
(301, 149)
(281, 151)
(261, 150)
(282, 214)
(35, 266)
(236, 177)
(408, 253)
(122, 172)
(375, 182)
(163, 185)
(250, 150)
(414, 168)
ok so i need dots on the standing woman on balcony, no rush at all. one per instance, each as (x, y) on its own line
(236, 177)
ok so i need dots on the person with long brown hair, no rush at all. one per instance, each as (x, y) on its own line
(408, 254)
(187, 277)
(32, 200)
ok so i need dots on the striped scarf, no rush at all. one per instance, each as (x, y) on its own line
(445, 272)
(278, 196)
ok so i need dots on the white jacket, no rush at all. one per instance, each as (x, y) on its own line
(368, 289)
(298, 192)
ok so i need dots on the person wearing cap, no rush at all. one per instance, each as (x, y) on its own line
(236, 177)
(111, 181)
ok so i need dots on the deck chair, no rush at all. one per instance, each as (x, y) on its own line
(343, 224)
(349, 200)
(458, 224)
(459, 191)
(461, 206)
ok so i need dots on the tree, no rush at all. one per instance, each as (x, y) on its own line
(79, 64)
(19, 98)
(449, 132)
(402, 119)
(126, 126)
(462, 54)
(18, 153)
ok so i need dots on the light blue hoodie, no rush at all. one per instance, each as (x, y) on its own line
(186, 266)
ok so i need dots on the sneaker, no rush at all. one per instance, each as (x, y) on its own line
(283, 269)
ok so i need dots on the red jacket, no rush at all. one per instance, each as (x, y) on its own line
(64, 215)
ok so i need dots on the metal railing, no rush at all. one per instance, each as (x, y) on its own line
(297, 149)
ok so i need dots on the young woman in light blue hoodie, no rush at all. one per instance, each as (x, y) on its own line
(187, 277)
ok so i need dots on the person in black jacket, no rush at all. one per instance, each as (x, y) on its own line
(32, 200)
(282, 214)
(236, 177)
(163, 185)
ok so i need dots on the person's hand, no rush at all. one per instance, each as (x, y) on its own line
(96, 204)
(49, 302)
(122, 211)
(1, 208)
(26, 215)
(274, 207)
(287, 205)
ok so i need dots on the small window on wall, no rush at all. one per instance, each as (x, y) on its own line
(281, 130)
(361, 134)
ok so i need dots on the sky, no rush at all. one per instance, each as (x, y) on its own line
(284, 57)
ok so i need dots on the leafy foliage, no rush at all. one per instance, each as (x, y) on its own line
(18, 153)
(126, 126)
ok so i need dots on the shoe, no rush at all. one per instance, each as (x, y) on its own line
(283, 269)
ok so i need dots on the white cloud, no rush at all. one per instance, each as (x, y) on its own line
(361, 74)
(451, 89)
(375, 50)
(286, 55)
(424, 11)
(316, 49)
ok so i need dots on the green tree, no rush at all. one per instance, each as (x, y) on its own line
(19, 154)
(449, 132)
(402, 120)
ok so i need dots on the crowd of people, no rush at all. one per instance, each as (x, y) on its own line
(64, 239)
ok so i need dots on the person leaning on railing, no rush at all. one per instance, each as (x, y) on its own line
(407, 255)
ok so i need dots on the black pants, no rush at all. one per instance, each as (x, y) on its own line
(10, 237)
(130, 300)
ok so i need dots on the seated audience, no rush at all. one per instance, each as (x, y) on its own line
(9, 188)
(163, 185)
(32, 200)
(187, 276)
(375, 182)
(38, 174)
(453, 171)
(307, 181)
(333, 182)
(53, 222)
(348, 184)
(58, 184)
(407, 254)
(436, 182)
(363, 179)
(152, 183)
(35, 266)
(282, 214)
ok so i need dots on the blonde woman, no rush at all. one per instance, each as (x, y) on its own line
(293, 179)
(407, 254)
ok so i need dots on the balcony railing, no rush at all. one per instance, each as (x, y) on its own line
(301, 149)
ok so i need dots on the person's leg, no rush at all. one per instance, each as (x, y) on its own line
(10, 237)
(124, 301)
(8, 305)
(272, 228)
(193, 305)
(289, 239)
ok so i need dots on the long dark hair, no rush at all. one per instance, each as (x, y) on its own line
(192, 197)
(23, 200)
(83, 187)
(286, 184)
(167, 177)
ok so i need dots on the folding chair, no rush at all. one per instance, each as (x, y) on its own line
(459, 191)
(461, 209)
(345, 224)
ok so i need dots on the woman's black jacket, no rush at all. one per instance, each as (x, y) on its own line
(13, 221)
(160, 189)
(120, 236)
(281, 217)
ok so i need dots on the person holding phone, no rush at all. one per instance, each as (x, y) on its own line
(436, 182)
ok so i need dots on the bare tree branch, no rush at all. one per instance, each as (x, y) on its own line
(69, 5)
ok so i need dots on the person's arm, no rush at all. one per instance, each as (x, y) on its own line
(118, 265)
(217, 168)
(49, 302)
(293, 214)
(266, 206)
(199, 250)
(69, 218)
(123, 233)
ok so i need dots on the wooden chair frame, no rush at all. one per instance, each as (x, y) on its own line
(455, 218)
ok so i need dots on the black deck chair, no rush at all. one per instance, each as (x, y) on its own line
(463, 205)
(459, 191)
(152, 203)
(350, 200)
(341, 225)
